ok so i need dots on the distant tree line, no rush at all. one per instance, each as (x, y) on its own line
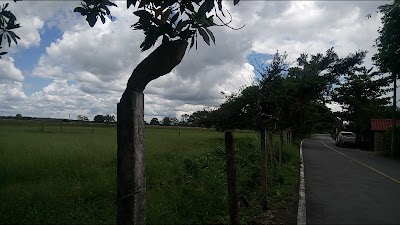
(197, 119)
(104, 119)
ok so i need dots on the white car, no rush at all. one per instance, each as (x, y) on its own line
(346, 138)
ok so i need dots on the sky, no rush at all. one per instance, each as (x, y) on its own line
(62, 68)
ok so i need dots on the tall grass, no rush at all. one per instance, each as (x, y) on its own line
(51, 177)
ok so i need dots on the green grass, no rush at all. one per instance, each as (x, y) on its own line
(70, 178)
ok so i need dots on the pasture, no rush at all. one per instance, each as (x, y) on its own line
(49, 177)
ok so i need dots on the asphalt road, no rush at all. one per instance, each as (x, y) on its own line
(349, 186)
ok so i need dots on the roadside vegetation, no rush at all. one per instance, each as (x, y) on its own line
(70, 177)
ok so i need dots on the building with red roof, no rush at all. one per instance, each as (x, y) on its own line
(378, 127)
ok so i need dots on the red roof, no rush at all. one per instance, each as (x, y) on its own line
(382, 124)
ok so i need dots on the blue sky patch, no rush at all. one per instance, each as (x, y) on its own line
(256, 58)
(26, 59)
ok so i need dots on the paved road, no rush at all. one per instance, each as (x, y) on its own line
(349, 186)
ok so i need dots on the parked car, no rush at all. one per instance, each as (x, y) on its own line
(346, 138)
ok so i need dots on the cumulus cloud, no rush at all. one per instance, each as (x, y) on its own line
(98, 57)
(315, 26)
(99, 60)
(8, 71)
(11, 98)
(58, 100)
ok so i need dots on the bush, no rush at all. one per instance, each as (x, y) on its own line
(388, 141)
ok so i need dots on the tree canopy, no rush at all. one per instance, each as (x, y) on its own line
(388, 42)
(154, 121)
(99, 119)
(171, 20)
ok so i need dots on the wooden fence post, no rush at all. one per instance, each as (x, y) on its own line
(130, 160)
(272, 154)
(231, 177)
(280, 149)
(393, 143)
(264, 170)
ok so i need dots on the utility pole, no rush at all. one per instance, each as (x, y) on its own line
(393, 147)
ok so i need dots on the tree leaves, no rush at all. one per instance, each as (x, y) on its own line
(93, 9)
(206, 7)
(81, 10)
(170, 19)
(211, 34)
(388, 42)
(361, 94)
(174, 18)
(179, 19)
(130, 2)
(7, 24)
(181, 24)
(204, 35)
(143, 14)
(2, 53)
(160, 18)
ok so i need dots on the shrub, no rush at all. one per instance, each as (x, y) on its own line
(388, 141)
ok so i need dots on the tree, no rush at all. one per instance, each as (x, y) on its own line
(109, 119)
(185, 117)
(176, 22)
(170, 20)
(274, 96)
(18, 116)
(166, 121)
(99, 119)
(203, 118)
(361, 95)
(388, 42)
(174, 121)
(313, 81)
(154, 121)
(274, 105)
(82, 118)
(388, 56)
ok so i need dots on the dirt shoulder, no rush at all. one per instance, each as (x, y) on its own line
(284, 212)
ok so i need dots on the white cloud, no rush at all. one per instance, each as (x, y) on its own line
(11, 98)
(29, 32)
(57, 100)
(100, 59)
(8, 71)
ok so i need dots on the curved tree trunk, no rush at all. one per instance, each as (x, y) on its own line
(131, 183)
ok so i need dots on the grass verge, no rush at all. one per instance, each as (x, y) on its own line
(51, 177)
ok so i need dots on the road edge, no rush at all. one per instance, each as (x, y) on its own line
(301, 211)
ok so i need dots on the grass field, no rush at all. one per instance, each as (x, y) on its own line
(49, 177)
